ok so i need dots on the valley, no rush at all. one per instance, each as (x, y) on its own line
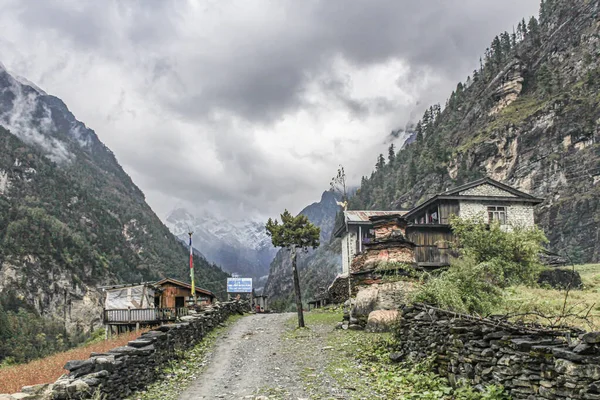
(455, 259)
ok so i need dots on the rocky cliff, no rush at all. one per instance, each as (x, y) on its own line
(529, 117)
(70, 217)
(316, 268)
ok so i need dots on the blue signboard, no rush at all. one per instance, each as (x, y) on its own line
(239, 285)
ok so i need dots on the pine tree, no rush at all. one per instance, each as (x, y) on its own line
(294, 233)
(534, 30)
(391, 154)
(380, 163)
(419, 128)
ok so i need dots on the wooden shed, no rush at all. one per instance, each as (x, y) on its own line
(176, 294)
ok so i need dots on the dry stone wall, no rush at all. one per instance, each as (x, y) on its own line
(124, 370)
(530, 363)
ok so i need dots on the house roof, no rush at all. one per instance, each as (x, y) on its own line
(186, 285)
(364, 216)
(125, 285)
(361, 217)
(367, 217)
(489, 181)
(454, 194)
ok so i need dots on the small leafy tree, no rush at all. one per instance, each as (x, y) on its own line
(294, 233)
(515, 252)
(491, 258)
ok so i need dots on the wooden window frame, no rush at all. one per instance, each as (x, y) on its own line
(497, 213)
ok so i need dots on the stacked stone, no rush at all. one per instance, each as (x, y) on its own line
(124, 370)
(529, 363)
(338, 290)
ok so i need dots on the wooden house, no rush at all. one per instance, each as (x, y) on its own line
(427, 226)
(149, 303)
(176, 294)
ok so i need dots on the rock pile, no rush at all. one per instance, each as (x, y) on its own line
(531, 363)
(124, 370)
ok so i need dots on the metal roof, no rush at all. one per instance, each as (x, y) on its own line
(363, 216)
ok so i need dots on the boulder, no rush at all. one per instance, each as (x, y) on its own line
(383, 296)
(382, 320)
(591, 338)
(561, 279)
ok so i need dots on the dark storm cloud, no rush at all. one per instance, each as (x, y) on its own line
(261, 72)
(230, 69)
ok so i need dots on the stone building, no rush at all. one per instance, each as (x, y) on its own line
(357, 231)
(428, 225)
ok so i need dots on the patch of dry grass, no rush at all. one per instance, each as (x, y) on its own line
(522, 299)
(49, 369)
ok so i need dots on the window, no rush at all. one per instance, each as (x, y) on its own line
(497, 214)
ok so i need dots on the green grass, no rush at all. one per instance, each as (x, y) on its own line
(522, 299)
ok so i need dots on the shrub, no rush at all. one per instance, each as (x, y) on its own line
(515, 251)
(467, 286)
(491, 258)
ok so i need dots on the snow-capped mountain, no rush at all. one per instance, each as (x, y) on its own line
(239, 247)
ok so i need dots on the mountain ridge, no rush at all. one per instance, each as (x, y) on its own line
(529, 117)
(71, 220)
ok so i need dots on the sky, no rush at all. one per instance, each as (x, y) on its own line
(245, 108)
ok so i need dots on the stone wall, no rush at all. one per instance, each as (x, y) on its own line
(349, 241)
(123, 370)
(486, 190)
(531, 363)
(516, 214)
(389, 252)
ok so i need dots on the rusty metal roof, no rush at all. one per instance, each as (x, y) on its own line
(363, 216)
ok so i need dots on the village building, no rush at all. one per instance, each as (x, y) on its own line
(260, 303)
(177, 294)
(381, 248)
(427, 226)
(358, 230)
(130, 306)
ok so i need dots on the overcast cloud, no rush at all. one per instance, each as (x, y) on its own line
(247, 107)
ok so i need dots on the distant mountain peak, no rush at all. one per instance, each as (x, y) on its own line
(238, 246)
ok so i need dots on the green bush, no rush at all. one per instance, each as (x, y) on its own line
(514, 252)
(467, 286)
(491, 258)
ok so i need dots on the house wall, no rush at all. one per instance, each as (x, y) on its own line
(516, 214)
(349, 241)
(486, 190)
(171, 292)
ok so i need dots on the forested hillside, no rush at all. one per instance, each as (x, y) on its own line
(70, 220)
(528, 116)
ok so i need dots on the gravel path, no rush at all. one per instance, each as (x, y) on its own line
(252, 359)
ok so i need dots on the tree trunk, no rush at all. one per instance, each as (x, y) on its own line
(297, 289)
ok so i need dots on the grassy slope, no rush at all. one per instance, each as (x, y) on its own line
(49, 369)
(522, 299)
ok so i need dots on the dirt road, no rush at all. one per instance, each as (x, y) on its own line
(258, 359)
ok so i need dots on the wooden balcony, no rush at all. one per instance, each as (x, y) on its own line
(433, 256)
(143, 315)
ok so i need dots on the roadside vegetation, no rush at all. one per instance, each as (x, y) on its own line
(358, 363)
(49, 369)
(497, 273)
(537, 302)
